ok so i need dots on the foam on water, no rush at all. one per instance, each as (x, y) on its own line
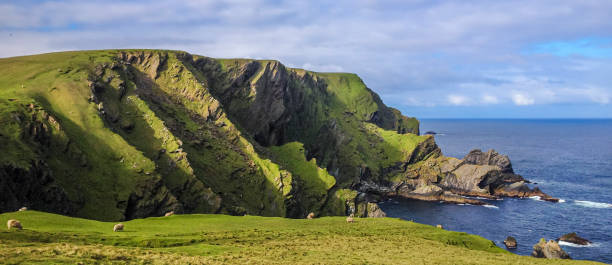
(569, 244)
(491, 206)
(590, 204)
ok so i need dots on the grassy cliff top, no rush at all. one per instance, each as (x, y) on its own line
(209, 238)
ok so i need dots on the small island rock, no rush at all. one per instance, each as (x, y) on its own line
(574, 239)
(510, 242)
(549, 250)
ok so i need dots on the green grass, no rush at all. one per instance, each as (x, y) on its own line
(206, 239)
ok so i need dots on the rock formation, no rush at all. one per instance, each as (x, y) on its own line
(574, 239)
(549, 250)
(510, 242)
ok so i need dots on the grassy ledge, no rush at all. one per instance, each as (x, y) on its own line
(212, 239)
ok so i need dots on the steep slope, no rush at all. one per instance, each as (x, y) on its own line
(124, 134)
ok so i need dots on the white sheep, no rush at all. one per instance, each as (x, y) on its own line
(310, 216)
(118, 227)
(13, 224)
(350, 219)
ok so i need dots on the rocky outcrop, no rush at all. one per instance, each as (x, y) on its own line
(549, 250)
(374, 211)
(574, 239)
(33, 186)
(479, 174)
(510, 242)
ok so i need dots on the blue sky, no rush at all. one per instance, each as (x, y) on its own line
(430, 59)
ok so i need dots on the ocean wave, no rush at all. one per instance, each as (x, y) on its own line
(568, 244)
(491, 206)
(591, 204)
(537, 198)
(561, 200)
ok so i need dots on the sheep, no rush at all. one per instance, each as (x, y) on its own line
(350, 219)
(439, 226)
(118, 227)
(310, 216)
(23, 209)
(169, 213)
(13, 224)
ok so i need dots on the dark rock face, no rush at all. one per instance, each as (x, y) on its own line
(549, 250)
(151, 199)
(574, 238)
(510, 242)
(34, 187)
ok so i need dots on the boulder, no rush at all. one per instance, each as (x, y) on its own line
(549, 250)
(574, 239)
(510, 242)
(375, 211)
(490, 158)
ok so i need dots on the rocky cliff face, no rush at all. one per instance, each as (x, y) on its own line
(116, 135)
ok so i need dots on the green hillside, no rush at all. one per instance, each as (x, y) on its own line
(214, 239)
(124, 134)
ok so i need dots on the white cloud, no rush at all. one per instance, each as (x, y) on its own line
(488, 99)
(521, 99)
(458, 100)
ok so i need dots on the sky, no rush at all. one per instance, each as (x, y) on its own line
(430, 58)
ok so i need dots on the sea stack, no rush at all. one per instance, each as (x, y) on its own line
(510, 242)
(549, 250)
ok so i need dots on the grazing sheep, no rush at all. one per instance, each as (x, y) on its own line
(23, 209)
(118, 227)
(439, 226)
(350, 219)
(169, 213)
(310, 216)
(13, 224)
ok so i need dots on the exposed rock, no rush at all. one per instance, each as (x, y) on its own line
(491, 157)
(574, 238)
(510, 242)
(151, 198)
(34, 186)
(549, 250)
(487, 175)
(375, 211)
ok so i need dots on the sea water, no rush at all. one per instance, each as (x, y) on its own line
(568, 159)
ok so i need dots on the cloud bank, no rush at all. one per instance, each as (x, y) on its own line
(427, 58)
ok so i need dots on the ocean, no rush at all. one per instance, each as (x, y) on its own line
(568, 159)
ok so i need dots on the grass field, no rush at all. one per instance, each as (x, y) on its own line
(212, 239)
